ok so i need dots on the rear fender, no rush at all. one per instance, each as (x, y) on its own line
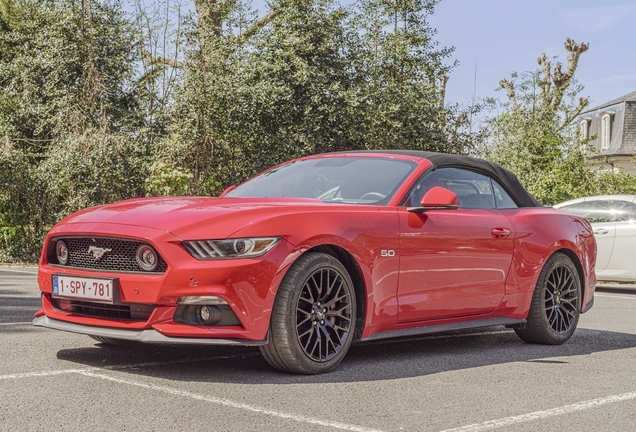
(541, 233)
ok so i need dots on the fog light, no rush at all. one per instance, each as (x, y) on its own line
(209, 315)
(61, 251)
(204, 313)
(146, 258)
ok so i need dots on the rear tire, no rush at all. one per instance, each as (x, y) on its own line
(313, 318)
(556, 303)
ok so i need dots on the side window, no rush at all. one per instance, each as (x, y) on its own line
(503, 200)
(593, 211)
(623, 211)
(473, 190)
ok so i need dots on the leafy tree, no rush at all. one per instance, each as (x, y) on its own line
(67, 114)
(308, 77)
(65, 66)
(157, 30)
(98, 106)
(401, 75)
(535, 136)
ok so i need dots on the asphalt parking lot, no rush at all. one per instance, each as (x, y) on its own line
(470, 381)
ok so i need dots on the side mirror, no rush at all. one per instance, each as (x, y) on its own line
(437, 198)
(227, 191)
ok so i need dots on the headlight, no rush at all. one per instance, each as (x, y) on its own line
(230, 248)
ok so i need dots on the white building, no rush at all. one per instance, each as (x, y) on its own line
(613, 127)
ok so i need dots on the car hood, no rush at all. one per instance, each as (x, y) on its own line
(192, 217)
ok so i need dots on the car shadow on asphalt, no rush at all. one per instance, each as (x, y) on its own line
(381, 360)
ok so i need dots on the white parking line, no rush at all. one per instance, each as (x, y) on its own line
(120, 367)
(232, 404)
(90, 372)
(16, 323)
(39, 374)
(615, 296)
(538, 415)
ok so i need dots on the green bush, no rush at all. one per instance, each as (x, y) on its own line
(22, 214)
(98, 106)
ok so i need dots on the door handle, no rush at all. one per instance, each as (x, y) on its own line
(500, 232)
(600, 231)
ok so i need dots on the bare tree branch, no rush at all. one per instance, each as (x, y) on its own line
(461, 119)
(258, 24)
(442, 90)
(561, 79)
(212, 13)
(165, 61)
(545, 80)
(583, 103)
(574, 52)
(510, 91)
(147, 55)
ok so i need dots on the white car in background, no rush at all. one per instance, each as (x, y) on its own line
(613, 219)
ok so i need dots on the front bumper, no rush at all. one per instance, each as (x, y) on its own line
(145, 336)
(248, 286)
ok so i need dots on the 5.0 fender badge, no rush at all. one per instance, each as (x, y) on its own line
(97, 252)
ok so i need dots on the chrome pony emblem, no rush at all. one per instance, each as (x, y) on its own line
(97, 252)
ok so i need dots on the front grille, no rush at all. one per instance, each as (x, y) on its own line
(132, 312)
(121, 256)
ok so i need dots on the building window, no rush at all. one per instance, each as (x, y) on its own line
(606, 130)
(584, 131)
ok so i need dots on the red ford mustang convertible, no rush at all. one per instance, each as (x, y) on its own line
(319, 252)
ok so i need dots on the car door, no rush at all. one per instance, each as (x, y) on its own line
(622, 263)
(453, 262)
(599, 213)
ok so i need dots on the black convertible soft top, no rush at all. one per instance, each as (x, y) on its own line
(444, 160)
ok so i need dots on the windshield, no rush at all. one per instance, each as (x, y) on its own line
(348, 180)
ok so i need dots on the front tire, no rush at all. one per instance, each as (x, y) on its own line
(556, 303)
(313, 318)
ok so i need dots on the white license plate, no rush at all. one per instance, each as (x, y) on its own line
(83, 288)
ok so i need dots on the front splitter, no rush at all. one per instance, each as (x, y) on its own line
(144, 336)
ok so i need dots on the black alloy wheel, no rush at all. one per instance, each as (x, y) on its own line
(313, 318)
(556, 303)
(323, 314)
(561, 299)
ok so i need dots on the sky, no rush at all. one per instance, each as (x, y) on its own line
(503, 36)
